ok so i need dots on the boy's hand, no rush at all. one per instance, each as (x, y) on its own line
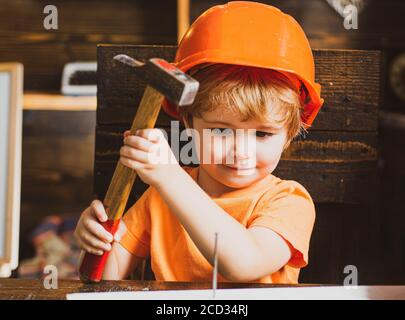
(91, 235)
(149, 154)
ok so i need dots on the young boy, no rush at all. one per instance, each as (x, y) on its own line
(256, 75)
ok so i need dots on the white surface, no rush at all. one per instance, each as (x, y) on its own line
(5, 270)
(4, 136)
(299, 293)
(11, 88)
(68, 70)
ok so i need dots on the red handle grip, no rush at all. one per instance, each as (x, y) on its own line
(92, 266)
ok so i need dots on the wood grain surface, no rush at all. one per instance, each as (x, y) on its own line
(34, 289)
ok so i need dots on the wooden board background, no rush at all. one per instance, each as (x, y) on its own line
(56, 169)
(336, 161)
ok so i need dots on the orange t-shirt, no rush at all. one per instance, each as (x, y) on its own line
(281, 205)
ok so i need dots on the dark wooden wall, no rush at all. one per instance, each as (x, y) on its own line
(57, 167)
(336, 162)
(82, 25)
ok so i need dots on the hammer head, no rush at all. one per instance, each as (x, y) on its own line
(171, 82)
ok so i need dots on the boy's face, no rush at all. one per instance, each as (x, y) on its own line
(237, 153)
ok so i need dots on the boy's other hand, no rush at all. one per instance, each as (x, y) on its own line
(149, 154)
(91, 235)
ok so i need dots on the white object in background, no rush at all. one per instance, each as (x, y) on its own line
(5, 270)
(78, 90)
(339, 5)
(297, 293)
(11, 99)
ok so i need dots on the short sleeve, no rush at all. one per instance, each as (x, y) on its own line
(137, 220)
(290, 212)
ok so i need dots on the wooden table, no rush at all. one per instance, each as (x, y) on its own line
(34, 289)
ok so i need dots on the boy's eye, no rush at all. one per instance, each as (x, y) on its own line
(222, 131)
(263, 134)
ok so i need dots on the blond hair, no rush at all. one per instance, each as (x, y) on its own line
(252, 93)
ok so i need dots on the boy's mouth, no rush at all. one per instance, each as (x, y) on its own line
(241, 170)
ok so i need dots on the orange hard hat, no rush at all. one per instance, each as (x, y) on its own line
(251, 34)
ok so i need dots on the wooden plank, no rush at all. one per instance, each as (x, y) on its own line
(58, 148)
(64, 124)
(351, 95)
(344, 235)
(333, 147)
(34, 289)
(333, 183)
(334, 166)
(57, 102)
(330, 147)
(53, 187)
(93, 17)
(70, 155)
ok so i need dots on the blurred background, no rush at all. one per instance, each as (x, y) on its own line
(58, 130)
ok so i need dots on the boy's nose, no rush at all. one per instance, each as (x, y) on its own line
(244, 147)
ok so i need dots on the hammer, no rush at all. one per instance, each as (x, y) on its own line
(163, 79)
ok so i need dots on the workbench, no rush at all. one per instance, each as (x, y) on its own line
(34, 289)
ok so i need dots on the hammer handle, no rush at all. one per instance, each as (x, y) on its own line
(92, 266)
